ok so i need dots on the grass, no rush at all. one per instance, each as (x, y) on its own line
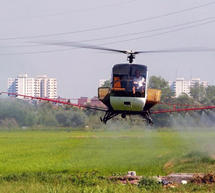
(60, 161)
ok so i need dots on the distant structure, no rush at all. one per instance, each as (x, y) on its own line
(46, 87)
(180, 85)
(41, 86)
(83, 101)
(93, 102)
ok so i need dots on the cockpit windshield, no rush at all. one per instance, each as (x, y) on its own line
(129, 80)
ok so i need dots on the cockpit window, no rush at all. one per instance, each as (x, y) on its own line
(138, 86)
(121, 69)
(141, 70)
(129, 80)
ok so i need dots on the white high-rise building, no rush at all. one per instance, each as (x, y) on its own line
(51, 88)
(41, 86)
(197, 81)
(25, 85)
(46, 87)
(22, 85)
(181, 85)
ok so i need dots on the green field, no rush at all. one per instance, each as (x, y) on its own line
(60, 161)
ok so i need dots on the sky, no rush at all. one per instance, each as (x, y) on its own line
(118, 24)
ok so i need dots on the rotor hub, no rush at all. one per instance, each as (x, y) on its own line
(131, 57)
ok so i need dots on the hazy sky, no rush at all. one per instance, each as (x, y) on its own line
(143, 24)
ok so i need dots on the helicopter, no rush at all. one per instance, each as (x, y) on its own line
(129, 93)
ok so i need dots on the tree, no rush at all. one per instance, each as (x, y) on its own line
(71, 119)
(62, 118)
(161, 120)
(184, 99)
(210, 94)
(77, 120)
(198, 92)
(209, 98)
(107, 83)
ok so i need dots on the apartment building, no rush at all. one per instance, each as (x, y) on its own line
(180, 85)
(41, 86)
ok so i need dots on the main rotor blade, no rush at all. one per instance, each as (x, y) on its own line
(180, 50)
(87, 46)
(79, 45)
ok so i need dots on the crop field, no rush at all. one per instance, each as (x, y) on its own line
(78, 161)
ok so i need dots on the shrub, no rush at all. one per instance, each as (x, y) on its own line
(149, 183)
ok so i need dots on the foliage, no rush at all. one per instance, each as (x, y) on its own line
(58, 161)
(70, 119)
(107, 83)
(198, 92)
(18, 113)
(210, 92)
(161, 120)
(8, 123)
(200, 96)
(149, 183)
(107, 152)
(185, 99)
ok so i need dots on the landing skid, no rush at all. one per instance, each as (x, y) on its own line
(110, 114)
(147, 116)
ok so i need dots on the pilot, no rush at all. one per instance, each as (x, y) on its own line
(138, 82)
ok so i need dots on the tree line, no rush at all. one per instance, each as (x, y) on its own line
(19, 113)
(199, 96)
(16, 113)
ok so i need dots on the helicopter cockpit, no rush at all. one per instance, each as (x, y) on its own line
(129, 80)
